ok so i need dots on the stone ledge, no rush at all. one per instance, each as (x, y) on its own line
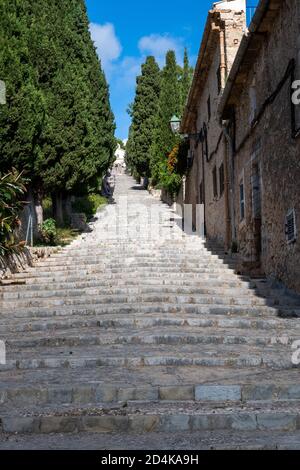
(19, 262)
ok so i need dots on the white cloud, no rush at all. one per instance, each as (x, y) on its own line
(107, 44)
(121, 71)
(158, 45)
(126, 72)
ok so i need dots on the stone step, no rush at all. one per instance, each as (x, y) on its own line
(130, 282)
(126, 309)
(139, 355)
(123, 270)
(147, 417)
(78, 297)
(77, 291)
(135, 299)
(137, 261)
(155, 261)
(138, 255)
(199, 278)
(274, 326)
(178, 441)
(165, 334)
(39, 388)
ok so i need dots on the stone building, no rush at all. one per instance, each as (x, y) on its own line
(262, 127)
(206, 181)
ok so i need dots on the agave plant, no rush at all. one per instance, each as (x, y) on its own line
(12, 190)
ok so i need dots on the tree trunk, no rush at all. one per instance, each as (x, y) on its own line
(57, 201)
(38, 208)
(67, 207)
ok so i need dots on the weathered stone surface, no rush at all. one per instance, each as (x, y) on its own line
(146, 393)
(174, 423)
(210, 422)
(176, 393)
(138, 335)
(258, 392)
(143, 424)
(20, 425)
(57, 424)
(104, 424)
(218, 393)
(106, 393)
(279, 421)
(244, 422)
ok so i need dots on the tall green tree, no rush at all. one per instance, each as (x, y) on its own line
(169, 105)
(78, 140)
(185, 80)
(22, 117)
(57, 125)
(143, 113)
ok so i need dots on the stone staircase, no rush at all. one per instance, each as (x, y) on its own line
(139, 328)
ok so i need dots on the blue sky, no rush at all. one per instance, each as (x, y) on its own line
(125, 32)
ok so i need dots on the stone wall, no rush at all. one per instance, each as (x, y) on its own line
(272, 149)
(199, 182)
(20, 262)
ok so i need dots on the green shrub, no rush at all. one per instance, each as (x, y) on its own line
(12, 189)
(47, 208)
(48, 232)
(171, 182)
(89, 204)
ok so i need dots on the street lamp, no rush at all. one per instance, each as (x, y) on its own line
(175, 124)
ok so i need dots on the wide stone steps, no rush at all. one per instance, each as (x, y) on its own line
(198, 384)
(121, 333)
(34, 273)
(131, 276)
(165, 335)
(159, 261)
(272, 326)
(95, 297)
(234, 295)
(77, 291)
(54, 389)
(138, 355)
(162, 418)
(149, 308)
(151, 283)
(134, 299)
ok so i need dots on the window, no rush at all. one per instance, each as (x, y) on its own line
(219, 78)
(201, 194)
(208, 108)
(215, 183)
(291, 229)
(221, 179)
(242, 201)
(205, 143)
(256, 192)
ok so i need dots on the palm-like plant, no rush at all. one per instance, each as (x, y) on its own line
(12, 189)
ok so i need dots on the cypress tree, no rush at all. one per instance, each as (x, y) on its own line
(22, 117)
(143, 113)
(185, 80)
(169, 105)
(78, 141)
(57, 124)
